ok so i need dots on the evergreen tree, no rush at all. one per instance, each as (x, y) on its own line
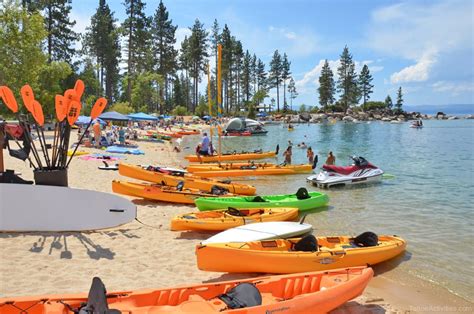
(246, 76)
(388, 102)
(253, 72)
(399, 104)
(215, 40)
(347, 82)
(261, 76)
(226, 67)
(135, 29)
(365, 86)
(61, 37)
(292, 91)
(185, 64)
(163, 40)
(198, 55)
(276, 70)
(285, 74)
(326, 87)
(237, 59)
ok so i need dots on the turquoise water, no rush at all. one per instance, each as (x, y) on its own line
(429, 202)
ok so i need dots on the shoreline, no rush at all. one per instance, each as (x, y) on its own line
(134, 256)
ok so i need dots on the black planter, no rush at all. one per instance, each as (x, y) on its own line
(57, 177)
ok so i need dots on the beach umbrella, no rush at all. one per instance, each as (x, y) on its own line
(113, 116)
(141, 116)
(85, 120)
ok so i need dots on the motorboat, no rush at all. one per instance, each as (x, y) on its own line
(361, 171)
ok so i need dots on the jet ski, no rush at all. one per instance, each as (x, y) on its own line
(361, 171)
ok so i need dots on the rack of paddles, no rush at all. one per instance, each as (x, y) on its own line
(25, 139)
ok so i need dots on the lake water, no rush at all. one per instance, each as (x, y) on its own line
(429, 202)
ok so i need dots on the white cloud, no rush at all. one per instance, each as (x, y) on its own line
(295, 44)
(418, 72)
(181, 33)
(454, 88)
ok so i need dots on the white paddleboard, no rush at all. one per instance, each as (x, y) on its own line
(52, 208)
(260, 231)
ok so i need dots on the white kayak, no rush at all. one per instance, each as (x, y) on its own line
(261, 231)
(52, 208)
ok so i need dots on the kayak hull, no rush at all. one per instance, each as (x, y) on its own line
(223, 219)
(277, 256)
(245, 166)
(246, 156)
(316, 200)
(190, 181)
(315, 292)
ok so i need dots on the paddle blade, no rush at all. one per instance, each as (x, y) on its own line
(28, 97)
(69, 95)
(37, 112)
(79, 88)
(98, 107)
(8, 98)
(60, 106)
(73, 112)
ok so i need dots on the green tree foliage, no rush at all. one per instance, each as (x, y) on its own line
(292, 91)
(146, 91)
(185, 64)
(326, 87)
(399, 104)
(246, 76)
(50, 84)
(121, 107)
(136, 31)
(179, 97)
(275, 78)
(198, 55)
(202, 108)
(163, 40)
(253, 72)
(303, 108)
(180, 111)
(374, 105)
(261, 76)
(91, 83)
(285, 75)
(388, 102)
(347, 82)
(102, 43)
(237, 60)
(365, 86)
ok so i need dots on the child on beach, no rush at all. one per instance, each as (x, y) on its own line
(287, 154)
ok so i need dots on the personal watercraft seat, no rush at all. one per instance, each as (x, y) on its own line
(346, 170)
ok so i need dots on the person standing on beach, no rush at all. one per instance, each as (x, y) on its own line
(310, 155)
(205, 142)
(331, 160)
(97, 133)
(287, 154)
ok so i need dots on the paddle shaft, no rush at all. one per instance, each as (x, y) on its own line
(79, 143)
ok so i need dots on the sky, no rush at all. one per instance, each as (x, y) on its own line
(425, 47)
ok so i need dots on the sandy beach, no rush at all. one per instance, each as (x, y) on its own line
(149, 255)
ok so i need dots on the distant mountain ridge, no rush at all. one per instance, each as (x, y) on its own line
(448, 109)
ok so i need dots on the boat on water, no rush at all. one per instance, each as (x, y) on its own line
(173, 178)
(302, 199)
(314, 292)
(219, 220)
(297, 255)
(161, 193)
(361, 171)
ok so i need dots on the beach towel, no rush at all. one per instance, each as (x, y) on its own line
(124, 150)
(101, 157)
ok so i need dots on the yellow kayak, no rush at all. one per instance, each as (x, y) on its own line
(218, 220)
(296, 255)
(244, 173)
(194, 168)
(159, 192)
(77, 153)
(229, 157)
(190, 181)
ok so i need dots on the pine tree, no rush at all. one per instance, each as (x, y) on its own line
(246, 77)
(276, 70)
(261, 76)
(388, 102)
(326, 87)
(285, 74)
(198, 55)
(365, 85)
(135, 29)
(292, 91)
(61, 37)
(399, 104)
(226, 66)
(253, 72)
(347, 82)
(185, 64)
(237, 59)
(215, 40)
(163, 40)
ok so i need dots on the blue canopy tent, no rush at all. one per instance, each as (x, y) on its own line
(141, 116)
(261, 114)
(113, 116)
(85, 120)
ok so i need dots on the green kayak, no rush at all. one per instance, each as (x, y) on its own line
(303, 200)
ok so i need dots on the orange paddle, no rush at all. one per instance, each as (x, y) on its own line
(8, 98)
(73, 111)
(37, 112)
(28, 97)
(59, 104)
(98, 108)
(79, 88)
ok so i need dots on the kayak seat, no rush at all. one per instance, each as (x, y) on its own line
(258, 199)
(366, 239)
(302, 194)
(308, 243)
(180, 185)
(234, 212)
(241, 296)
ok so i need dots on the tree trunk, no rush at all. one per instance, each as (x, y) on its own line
(284, 93)
(50, 36)
(130, 54)
(278, 97)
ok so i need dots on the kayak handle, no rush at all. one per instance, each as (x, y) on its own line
(116, 210)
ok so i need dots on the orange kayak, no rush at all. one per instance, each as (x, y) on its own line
(158, 192)
(229, 157)
(189, 132)
(314, 292)
(218, 220)
(283, 256)
(190, 181)
(172, 134)
(303, 168)
(244, 173)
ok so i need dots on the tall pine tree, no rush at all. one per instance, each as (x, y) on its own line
(276, 70)
(347, 82)
(246, 76)
(215, 40)
(261, 76)
(185, 65)
(388, 102)
(292, 91)
(285, 74)
(365, 86)
(326, 87)
(198, 56)
(399, 103)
